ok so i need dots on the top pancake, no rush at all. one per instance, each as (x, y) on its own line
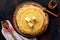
(30, 11)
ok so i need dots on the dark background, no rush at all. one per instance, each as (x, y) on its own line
(7, 8)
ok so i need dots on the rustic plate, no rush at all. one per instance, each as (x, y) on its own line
(44, 26)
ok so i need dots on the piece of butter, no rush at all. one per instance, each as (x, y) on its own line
(27, 19)
(30, 24)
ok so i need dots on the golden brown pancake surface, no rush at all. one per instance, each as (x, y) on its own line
(38, 23)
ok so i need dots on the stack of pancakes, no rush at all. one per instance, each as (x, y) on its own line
(31, 20)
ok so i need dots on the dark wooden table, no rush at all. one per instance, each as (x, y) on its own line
(7, 8)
